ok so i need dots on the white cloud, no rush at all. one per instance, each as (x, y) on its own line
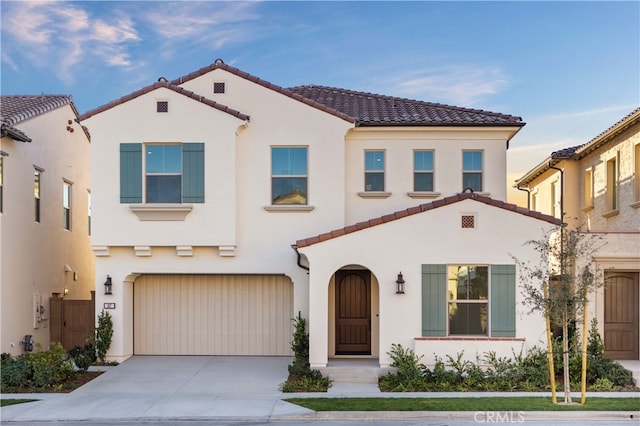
(455, 84)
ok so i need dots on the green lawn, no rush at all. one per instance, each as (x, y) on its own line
(464, 404)
(5, 402)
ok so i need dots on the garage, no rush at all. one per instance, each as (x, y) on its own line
(213, 315)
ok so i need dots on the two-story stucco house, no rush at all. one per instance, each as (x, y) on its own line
(45, 195)
(597, 186)
(224, 205)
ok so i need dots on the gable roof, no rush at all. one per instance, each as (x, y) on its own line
(362, 109)
(580, 151)
(161, 83)
(369, 109)
(15, 109)
(423, 208)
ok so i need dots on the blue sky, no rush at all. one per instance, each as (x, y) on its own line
(570, 69)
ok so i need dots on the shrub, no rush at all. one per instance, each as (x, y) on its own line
(48, 368)
(104, 333)
(83, 356)
(13, 371)
(603, 385)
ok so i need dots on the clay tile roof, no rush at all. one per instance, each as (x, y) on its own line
(15, 109)
(422, 208)
(170, 86)
(369, 109)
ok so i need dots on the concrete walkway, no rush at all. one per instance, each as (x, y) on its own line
(223, 388)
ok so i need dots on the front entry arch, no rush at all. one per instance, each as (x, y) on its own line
(353, 312)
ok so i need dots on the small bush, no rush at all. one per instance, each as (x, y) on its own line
(83, 357)
(603, 385)
(14, 372)
(104, 333)
(48, 368)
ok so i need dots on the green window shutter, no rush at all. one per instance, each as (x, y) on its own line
(130, 173)
(434, 300)
(503, 301)
(193, 173)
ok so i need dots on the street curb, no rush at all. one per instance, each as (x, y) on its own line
(477, 416)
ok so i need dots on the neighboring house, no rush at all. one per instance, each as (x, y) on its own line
(208, 188)
(598, 189)
(44, 215)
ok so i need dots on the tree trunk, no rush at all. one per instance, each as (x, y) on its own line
(565, 356)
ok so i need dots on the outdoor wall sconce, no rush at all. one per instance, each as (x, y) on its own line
(108, 285)
(400, 284)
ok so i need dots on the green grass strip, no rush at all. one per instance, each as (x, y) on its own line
(5, 402)
(464, 404)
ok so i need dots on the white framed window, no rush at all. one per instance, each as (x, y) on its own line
(588, 188)
(423, 171)
(374, 171)
(66, 204)
(89, 212)
(556, 196)
(534, 200)
(472, 170)
(163, 173)
(468, 300)
(36, 193)
(289, 175)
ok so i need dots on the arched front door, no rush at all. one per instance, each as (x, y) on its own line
(353, 312)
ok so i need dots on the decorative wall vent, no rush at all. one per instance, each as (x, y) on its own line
(219, 87)
(468, 221)
(162, 106)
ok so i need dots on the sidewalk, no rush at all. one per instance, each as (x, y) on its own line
(232, 389)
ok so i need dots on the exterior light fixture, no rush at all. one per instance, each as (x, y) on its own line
(400, 284)
(108, 285)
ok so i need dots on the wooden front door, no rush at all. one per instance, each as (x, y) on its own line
(621, 319)
(353, 313)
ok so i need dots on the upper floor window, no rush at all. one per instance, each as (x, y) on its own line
(612, 183)
(163, 173)
(89, 212)
(167, 173)
(289, 175)
(36, 194)
(1, 182)
(588, 188)
(534, 201)
(66, 205)
(555, 199)
(468, 299)
(472, 170)
(374, 170)
(423, 171)
(636, 172)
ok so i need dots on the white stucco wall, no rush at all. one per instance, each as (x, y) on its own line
(34, 254)
(432, 237)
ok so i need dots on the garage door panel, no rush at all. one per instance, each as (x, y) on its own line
(212, 315)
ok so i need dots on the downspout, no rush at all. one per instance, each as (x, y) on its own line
(306, 268)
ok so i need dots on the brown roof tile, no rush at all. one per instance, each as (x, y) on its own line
(370, 109)
(422, 208)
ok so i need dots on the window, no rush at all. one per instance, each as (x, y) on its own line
(461, 300)
(89, 212)
(36, 194)
(534, 201)
(468, 297)
(169, 173)
(288, 175)
(423, 171)
(219, 87)
(1, 183)
(66, 205)
(612, 184)
(588, 188)
(472, 170)
(163, 173)
(374, 170)
(555, 199)
(162, 106)
(637, 172)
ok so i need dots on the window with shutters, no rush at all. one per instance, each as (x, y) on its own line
(166, 173)
(468, 300)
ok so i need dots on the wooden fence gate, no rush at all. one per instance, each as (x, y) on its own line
(71, 320)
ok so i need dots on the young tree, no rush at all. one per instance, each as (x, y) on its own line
(566, 267)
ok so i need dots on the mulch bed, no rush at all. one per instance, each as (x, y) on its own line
(72, 384)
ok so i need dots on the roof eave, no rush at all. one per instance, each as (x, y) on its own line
(14, 134)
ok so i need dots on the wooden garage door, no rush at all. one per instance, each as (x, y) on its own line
(213, 315)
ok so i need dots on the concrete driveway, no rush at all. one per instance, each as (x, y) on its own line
(175, 387)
